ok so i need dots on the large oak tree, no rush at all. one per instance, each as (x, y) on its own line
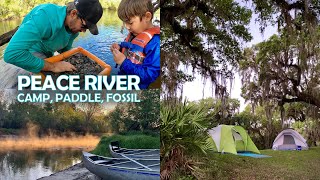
(204, 35)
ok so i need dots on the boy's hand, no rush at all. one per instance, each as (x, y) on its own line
(118, 56)
(114, 46)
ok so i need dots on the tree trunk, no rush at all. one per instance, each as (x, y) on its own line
(282, 116)
(269, 114)
(5, 38)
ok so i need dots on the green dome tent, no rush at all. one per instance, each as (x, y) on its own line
(232, 139)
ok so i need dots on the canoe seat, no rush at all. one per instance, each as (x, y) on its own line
(115, 146)
(104, 162)
(119, 150)
(96, 158)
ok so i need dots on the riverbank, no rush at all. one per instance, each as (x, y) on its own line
(135, 140)
(75, 172)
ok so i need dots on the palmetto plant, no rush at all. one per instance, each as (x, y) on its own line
(183, 134)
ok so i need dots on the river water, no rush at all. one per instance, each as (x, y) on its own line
(34, 164)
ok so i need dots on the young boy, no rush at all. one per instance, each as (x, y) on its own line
(140, 53)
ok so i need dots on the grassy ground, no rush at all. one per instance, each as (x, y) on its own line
(282, 165)
(130, 140)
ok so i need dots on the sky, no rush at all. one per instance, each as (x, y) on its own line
(195, 91)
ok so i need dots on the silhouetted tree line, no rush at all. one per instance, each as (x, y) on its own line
(83, 118)
(50, 118)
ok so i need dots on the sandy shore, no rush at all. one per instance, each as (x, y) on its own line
(75, 172)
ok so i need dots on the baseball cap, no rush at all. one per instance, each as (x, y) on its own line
(90, 11)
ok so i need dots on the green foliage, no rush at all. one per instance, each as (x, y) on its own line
(18, 8)
(110, 4)
(68, 118)
(132, 140)
(148, 133)
(202, 35)
(3, 113)
(183, 135)
(17, 115)
(221, 111)
(58, 118)
(310, 129)
(257, 125)
(142, 116)
(186, 178)
(4, 131)
(282, 73)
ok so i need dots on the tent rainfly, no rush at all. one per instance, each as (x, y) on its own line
(289, 139)
(232, 139)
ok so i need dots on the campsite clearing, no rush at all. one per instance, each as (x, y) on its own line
(282, 165)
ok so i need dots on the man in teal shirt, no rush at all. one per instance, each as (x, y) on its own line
(49, 28)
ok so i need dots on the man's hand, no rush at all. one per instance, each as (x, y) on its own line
(118, 56)
(58, 67)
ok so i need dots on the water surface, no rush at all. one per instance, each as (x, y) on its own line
(34, 164)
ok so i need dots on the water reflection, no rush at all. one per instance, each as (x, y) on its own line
(33, 164)
(6, 26)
